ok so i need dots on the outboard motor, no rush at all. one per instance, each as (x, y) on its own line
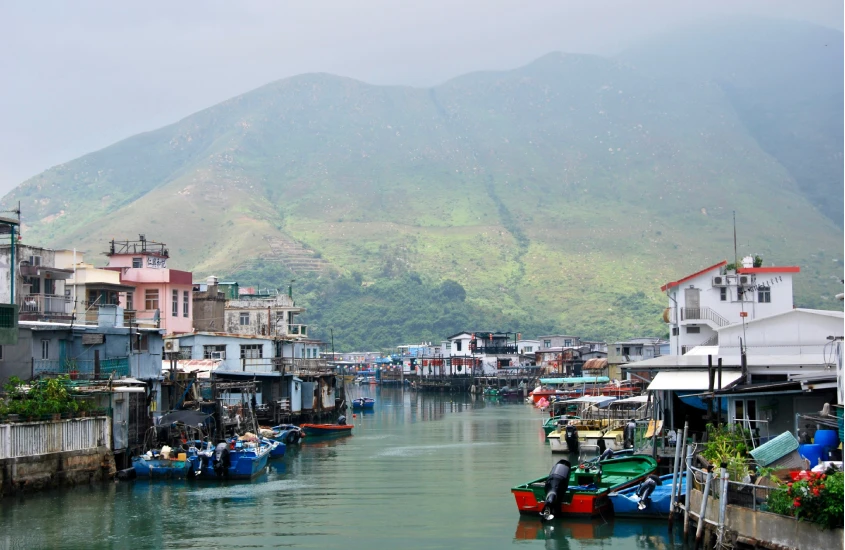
(628, 434)
(341, 421)
(221, 459)
(605, 455)
(571, 436)
(556, 486)
(645, 490)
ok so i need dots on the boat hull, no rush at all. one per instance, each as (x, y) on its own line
(326, 430)
(160, 468)
(625, 503)
(243, 464)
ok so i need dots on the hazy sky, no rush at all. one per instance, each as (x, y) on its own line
(79, 75)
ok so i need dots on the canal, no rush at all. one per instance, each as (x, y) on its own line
(420, 471)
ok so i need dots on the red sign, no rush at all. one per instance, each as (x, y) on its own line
(743, 314)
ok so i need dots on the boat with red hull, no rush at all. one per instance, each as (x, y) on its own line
(585, 490)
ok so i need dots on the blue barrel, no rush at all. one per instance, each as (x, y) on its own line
(812, 452)
(828, 439)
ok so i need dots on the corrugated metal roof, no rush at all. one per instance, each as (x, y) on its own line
(775, 449)
(690, 380)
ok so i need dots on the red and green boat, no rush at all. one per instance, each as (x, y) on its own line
(581, 491)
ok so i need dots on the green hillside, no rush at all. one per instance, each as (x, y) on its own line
(555, 197)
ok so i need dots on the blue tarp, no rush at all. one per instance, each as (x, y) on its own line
(694, 401)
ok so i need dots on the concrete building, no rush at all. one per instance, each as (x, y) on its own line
(209, 302)
(266, 312)
(715, 297)
(90, 287)
(39, 286)
(162, 296)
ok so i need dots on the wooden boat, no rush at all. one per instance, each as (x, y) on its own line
(626, 502)
(152, 465)
(289, 434)
(565, 388)
(365, 403)
(588, 488)
(277, 448)
(587, 428)
(318, 430)
(620, 412)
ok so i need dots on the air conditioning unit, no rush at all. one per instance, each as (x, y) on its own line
(171, 345)
(218, 355)
(720, 280)
(745, 280)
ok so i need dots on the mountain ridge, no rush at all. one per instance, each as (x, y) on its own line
(559, 194)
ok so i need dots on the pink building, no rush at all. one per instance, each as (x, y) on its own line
(162, 295)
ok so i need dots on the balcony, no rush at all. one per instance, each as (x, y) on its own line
(493, 349)
(697, 314)
(115, 367)
(298, 330)
(40, 306)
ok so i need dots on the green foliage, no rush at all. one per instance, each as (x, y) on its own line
(814, 497)
(727, 444)
(42, 397)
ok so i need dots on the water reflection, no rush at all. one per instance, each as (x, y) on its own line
(585, 533)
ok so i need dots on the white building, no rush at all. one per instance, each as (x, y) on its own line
(714, 297)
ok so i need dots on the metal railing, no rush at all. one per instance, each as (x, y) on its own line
(46, 303)
(703, 314)
(38, 438)
(114, 367)
(745, 495)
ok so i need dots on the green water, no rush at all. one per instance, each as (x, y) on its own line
(420, 471)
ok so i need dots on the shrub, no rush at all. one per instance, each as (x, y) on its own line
(814, 497)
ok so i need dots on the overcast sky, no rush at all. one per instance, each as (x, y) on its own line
(80, 75)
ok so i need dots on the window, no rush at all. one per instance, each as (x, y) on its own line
(252, 351)
(626, 350)
(151, 299)
(214, 352)
(547, 343)
(458, 345)
(723, 294)
(528, 349)
(244, 320)
(175, 311)
(675, 331)
(693, 330)
(567, 343)
(45, 349)
(137, 262)
(185, 302)
(764, 294)
(1, 353)
(130, 299)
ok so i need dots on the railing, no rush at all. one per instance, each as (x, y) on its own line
(493, 349)
(46, 303)
(703, 314)
(745, 495)
(115, 367)
(38, 438)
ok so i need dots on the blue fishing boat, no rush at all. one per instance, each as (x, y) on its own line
(363, 403)
(627, 502)
(277, 448)
(233, 459)
(152, 466)
(289, 434)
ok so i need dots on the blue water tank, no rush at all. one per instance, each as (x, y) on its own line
(812, 452)
(828, 439)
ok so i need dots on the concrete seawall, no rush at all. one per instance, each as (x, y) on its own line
(755, 528)
(63, 469)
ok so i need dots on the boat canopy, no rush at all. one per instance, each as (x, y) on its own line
(576, 380)
(690, 380)
(600, 400)
(635, 399)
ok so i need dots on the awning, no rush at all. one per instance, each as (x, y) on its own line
(191, 418)
(635, 399)
(595, 364)
(46, 272)
(691, 380)
(599, 400)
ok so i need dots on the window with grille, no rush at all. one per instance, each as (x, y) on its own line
(252, 351)
(764, 295)
(137, 263)
(45, 349)
(214, 352)
(175, 311)
(244, 319)
(185, 302)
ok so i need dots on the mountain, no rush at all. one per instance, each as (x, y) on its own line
(555, 197)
